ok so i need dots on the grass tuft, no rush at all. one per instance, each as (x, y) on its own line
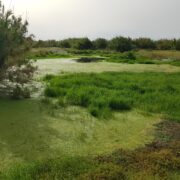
(104, 93)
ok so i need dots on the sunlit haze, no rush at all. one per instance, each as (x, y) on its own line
(59, 19)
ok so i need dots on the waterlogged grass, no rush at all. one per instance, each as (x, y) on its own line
(105, 93)
(22, 132)
(36, 131)
(53, 139)
(86, 135)
(157, 160)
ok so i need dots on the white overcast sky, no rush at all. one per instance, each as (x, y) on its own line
(59, 19)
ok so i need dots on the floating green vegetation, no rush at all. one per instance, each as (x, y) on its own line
(157, 160)
(31, 130)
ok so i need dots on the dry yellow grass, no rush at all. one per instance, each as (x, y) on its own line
(160, 54)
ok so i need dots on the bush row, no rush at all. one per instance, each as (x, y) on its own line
(120, 44)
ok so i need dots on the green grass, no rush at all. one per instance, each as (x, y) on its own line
(104, 93)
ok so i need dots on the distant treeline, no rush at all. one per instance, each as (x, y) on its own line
(120, 44)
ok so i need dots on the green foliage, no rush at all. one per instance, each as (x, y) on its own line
(106, 92)
(121, 44)
(117, 43)
(14, 42)
(144, 43)
(65, 44)
(82, 43)
(14, 46)
(100, 43)
(75, 43)
(178, 45)
(130, 56)
(165, 44)
(48, 43)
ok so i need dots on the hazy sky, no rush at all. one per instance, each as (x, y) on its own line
(58, 19)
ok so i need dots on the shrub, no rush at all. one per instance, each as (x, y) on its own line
(14, 46)
(65, 44)
(14, 43)
(144, 43)
(100, 43)
(130, 56)
(165, 44)
(82, 44)
(121, 44)
(178, 45)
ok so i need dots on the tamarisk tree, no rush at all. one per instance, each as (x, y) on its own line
(15, 69)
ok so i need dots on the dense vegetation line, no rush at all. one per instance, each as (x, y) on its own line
(107, 92)
(119, 43)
